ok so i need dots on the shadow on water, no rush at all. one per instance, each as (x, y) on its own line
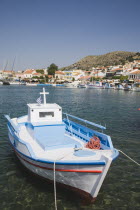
(19, 189)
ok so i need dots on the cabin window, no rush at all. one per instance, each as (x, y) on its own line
(46, 114)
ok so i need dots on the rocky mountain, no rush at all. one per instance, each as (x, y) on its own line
(112, 58)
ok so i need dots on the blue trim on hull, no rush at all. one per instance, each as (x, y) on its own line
(60, 162)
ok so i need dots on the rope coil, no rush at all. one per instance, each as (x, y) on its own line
(94, 143)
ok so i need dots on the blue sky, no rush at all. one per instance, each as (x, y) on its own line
(41, 32)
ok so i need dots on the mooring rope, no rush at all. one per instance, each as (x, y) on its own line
(68, 154)
(129, 157)
(55, 201)
(54, 176)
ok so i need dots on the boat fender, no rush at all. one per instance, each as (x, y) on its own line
(94, 143)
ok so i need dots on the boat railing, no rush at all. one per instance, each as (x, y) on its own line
(85, 134)
(85, 121)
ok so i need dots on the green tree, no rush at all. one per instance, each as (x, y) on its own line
(116, 77)
(46, 78)
(52, 68)
(138, 53)
(122, 62)
(73, 79)
(41, 77)
(130, 58)
(122, 78)
(41, 71)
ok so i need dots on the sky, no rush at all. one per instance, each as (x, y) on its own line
(36, 33)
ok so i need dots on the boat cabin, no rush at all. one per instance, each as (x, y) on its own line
(45, 123)
(44, 113)
(48, 113)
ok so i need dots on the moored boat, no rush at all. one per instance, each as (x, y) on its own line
(95, 85)
(119, 87)
(136, 87)
(72, 84)
(127, 87)
(108, 86)
(61, 149)
(6, 83)
(82, 85)
(31, 84)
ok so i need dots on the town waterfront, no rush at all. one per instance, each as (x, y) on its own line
(117, 109)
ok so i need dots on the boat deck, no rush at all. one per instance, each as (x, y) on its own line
(68, 152)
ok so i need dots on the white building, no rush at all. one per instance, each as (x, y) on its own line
(28, 73)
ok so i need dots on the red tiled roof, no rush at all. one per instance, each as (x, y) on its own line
(59, 72)
(118, 69)
(135, 72)
(50, 76)
(102, 67)
(28, 71)
(85, 77)
(6, 71)
(37, 74)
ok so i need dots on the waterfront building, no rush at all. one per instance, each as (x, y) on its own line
(60, 75)
(28, 73)
(118, 71)
(135, 75)
(18, 76)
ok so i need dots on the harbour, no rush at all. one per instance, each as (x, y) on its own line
(117, 110)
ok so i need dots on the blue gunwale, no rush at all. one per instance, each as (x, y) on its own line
(86, 121)
(48, 161)
(33, 158)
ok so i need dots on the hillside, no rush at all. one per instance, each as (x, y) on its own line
(113, 58)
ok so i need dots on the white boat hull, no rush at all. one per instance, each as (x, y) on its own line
(87, 182)
(85, 178)
(61, 150)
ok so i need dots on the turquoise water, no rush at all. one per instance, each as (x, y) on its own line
(117, 109)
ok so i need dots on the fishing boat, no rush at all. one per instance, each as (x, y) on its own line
(31, 84)
(136, 87)
(119, 87)
(61, 150)
(127, 87)
(82, 85)
(6, 83)
(73, 84)
(108, 86)
(95, 85)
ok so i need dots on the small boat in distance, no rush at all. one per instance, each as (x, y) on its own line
(119, 87)
(72, 84)
(31, 84)
(95, 85)
(108, 86)
(82, 85)
(60, 149)
(6, 83)
(136, 87)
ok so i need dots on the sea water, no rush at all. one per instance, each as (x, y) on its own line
(118, 110)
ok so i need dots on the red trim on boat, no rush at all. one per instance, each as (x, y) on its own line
(63, 170)
(86, 197)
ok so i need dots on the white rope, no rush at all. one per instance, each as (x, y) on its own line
(129, 157)
(55, 201)
(54, 178)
